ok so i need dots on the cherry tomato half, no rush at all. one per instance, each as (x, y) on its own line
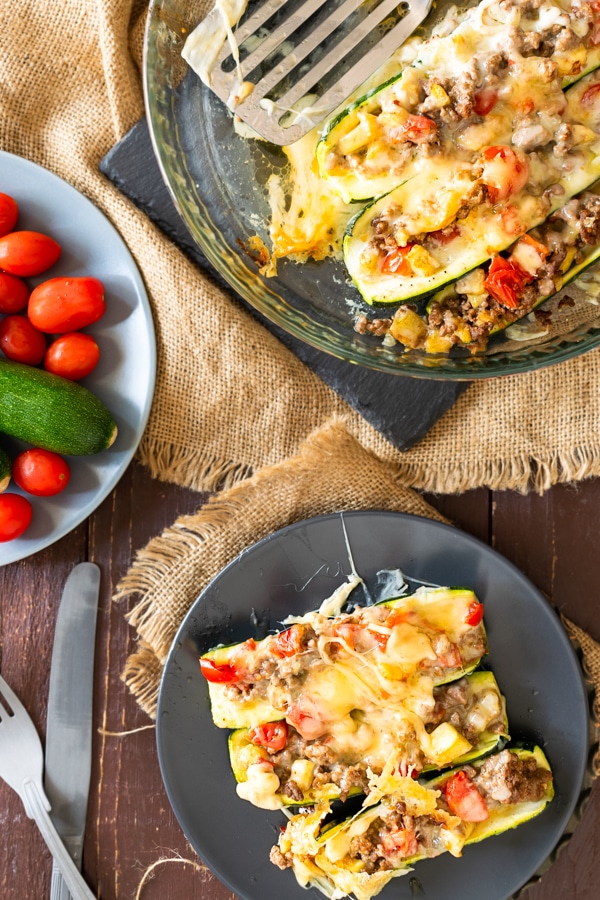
(288, 642)
(505, 281)
(26, 253)
(21, 341)
(14, 293)
(218, 674)
(396, 263)
(72, 355)
(9, 212)
(15, 516)
(474, 613)
(272, 736)
(41, 472)
(464, 799)
(66, 304)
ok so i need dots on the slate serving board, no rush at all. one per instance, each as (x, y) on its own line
(402, 409)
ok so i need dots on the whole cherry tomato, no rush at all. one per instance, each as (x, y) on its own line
(41, 472)
(15, 516)
(72, 355)
(14, 293)
(9, 212)
(66, 304)
(21, 341)
(26, 253)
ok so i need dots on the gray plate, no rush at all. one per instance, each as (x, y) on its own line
(123, 379)
(292, 571)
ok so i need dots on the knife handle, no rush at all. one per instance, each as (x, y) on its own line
(58, 888)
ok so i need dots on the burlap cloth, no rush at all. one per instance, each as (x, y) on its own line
(70, 88)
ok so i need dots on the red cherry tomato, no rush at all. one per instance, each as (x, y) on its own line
(288, 642)
(505, 172)
(485, 101)
(218, 674)
(72, 355)
(417, 129)
(272, 736)
(14, 293)
(21, 341)
(505, 282)
(41, 472)
(66, 304)
(474, 613)
(9, 212)
(395, 263)
(26, 253)
(15, 516)
(464, 799)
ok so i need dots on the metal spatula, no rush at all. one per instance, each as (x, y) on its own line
(308, 55)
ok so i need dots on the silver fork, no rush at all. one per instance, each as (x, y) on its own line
(21, 766)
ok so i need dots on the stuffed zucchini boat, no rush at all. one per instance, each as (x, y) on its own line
(322, 669)
(491, 80)
(450, 218)
(505, 290)
(411, 821)
(467, 719)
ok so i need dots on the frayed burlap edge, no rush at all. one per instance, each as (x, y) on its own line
(201, 471)
(193, 469)
(590, 650)
(521, 473)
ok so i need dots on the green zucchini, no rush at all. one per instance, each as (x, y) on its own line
(435, 343)
(362, 160)
(336, 859)
(51, 412)
(429, 203)
(5, 469)
(484, 707)
(443, 610)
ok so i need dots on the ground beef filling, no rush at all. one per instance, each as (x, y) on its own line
(507, 778)
(574, 227)
(502, 779)
(453, 703)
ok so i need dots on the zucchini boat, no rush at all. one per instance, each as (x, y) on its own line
(52, 412)
(467, 720)
(490, 298)
(458, 96)
(412, 821)
(448, 219)
(322, 669)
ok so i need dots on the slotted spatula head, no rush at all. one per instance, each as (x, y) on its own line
(307, 56)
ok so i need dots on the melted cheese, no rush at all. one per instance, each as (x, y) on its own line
(260, 788)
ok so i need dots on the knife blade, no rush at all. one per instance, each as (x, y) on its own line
(68, 756)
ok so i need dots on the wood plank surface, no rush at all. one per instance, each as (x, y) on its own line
(131, 827)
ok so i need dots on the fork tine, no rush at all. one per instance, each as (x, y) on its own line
(9, 696)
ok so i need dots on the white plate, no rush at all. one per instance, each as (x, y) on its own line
(124, 378)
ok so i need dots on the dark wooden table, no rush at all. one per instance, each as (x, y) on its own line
(553, 539)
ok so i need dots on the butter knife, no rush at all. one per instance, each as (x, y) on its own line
(68, 757)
